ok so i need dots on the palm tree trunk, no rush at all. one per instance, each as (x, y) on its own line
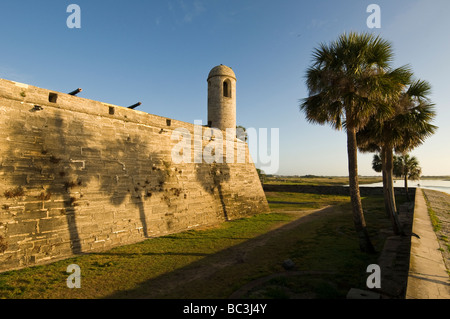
(386, 181)
(387, 205)
(390, 176)
(358, 215)
(389, 166)
(406, 188)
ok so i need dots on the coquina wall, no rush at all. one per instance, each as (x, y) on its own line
(80, 176)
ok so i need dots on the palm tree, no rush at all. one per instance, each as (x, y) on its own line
(376, 163)
(377, 166)
(408, 167)
(346, 81)
(404, 166)
(406, 129)
(381, 164)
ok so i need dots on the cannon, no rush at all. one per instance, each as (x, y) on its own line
(134, 105)
(75, 92)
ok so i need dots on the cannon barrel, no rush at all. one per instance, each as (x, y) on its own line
(75, 92)
(135, 105)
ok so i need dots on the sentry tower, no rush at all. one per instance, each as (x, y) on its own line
(222, 98)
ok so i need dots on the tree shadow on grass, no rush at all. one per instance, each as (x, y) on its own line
(195, 279)
(246, 257)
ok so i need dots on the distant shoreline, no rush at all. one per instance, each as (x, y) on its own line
(431, 177)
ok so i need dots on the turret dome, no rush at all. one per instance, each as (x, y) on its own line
(222, 70)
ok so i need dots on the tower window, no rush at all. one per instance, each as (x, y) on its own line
(52, 97)
(227, 88)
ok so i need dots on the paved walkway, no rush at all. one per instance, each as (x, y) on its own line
(427, 277)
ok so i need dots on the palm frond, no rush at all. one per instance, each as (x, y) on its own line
(420, 90)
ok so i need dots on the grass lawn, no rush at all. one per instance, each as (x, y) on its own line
(222, 260)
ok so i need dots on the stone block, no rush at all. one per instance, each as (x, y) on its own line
(21, 228)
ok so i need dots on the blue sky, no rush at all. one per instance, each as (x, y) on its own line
(160, 53)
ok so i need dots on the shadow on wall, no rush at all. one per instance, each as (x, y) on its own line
(140, 174)
(212, 177)
(52, 161)
(45, 172)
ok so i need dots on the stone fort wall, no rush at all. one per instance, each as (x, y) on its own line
(79, 176)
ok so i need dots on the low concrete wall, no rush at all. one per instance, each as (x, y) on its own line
(427, 277)
(331, 190)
